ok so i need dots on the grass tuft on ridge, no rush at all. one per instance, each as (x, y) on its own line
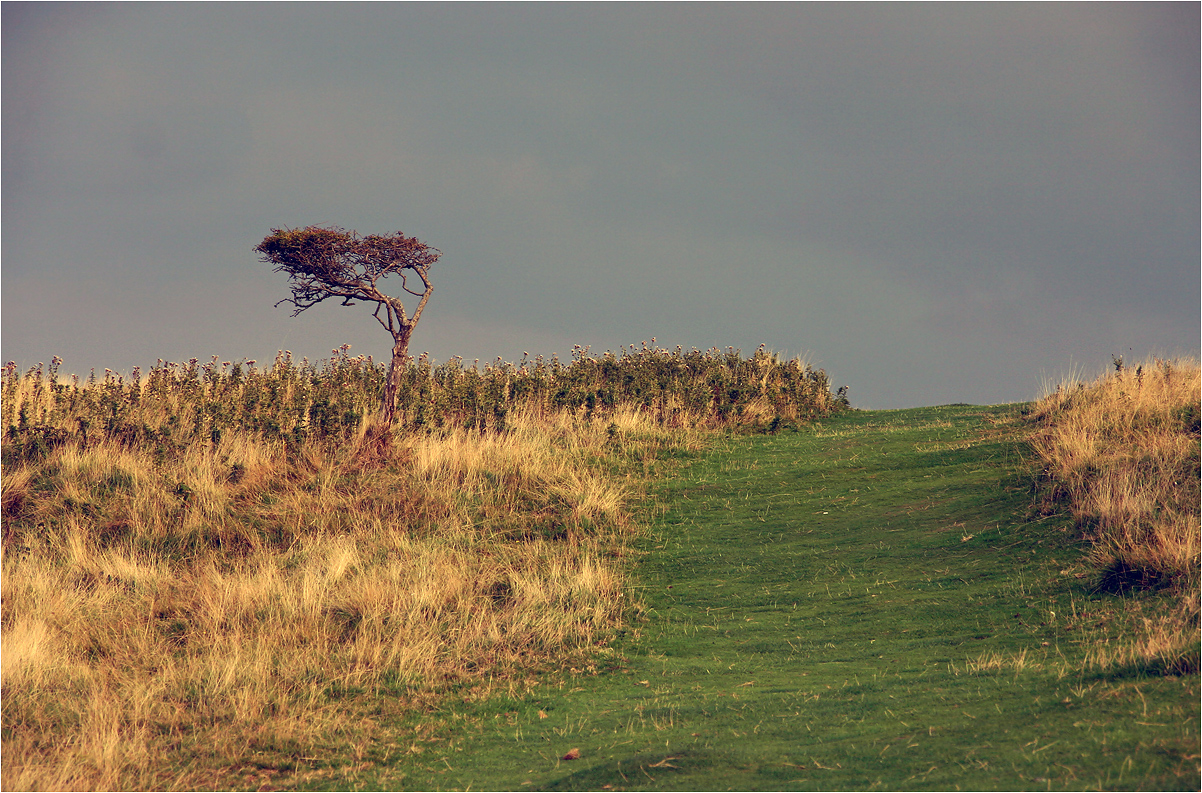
(1121, 455)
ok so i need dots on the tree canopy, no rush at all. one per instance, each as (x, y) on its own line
(330, 262)
(325, 262)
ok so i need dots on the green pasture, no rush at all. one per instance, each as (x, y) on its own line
(869, 602)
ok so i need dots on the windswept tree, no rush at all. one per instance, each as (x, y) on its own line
(324, 263)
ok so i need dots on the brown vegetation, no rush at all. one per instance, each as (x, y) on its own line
(1121, 454)
(239, 600)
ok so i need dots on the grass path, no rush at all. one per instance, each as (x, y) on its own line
(865, 604)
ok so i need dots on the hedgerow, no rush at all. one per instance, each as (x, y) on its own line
(177, 404)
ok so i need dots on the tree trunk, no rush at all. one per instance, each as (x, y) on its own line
(400, 357)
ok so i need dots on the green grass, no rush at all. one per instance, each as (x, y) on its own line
(870, 602)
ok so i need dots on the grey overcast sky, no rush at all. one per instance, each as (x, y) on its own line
(935, 203)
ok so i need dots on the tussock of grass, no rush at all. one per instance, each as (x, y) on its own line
(995, 661)
(245, 602)
(1163, 644)
(1122, 455)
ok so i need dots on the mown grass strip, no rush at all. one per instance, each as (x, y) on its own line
(869, 603)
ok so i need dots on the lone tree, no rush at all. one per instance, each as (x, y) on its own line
(324, 263)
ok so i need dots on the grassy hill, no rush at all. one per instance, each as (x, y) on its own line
(660, 569)
(873, 602)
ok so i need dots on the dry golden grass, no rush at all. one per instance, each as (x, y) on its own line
(1165, 643)
(999, 661)
(1122, 453)
(175, 622)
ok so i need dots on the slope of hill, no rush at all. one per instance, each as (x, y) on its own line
(874, 602)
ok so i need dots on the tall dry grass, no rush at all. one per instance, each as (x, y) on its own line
(211, 568)
(178, 404)
(177, 617)
(1121, 454)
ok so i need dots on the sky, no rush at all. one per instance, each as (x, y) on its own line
(934, 203)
